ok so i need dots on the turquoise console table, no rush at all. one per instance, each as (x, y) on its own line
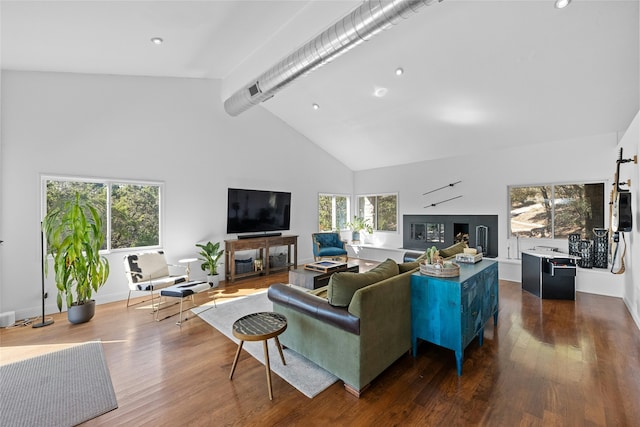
(450, 312)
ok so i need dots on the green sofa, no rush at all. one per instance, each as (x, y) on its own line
(358, 341)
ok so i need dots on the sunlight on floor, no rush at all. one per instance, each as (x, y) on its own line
(12, 354)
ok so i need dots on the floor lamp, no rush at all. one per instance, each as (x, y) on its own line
(42, 257)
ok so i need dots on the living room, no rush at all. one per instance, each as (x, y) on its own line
(175, 131)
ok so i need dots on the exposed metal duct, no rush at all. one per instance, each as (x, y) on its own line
(361, 24)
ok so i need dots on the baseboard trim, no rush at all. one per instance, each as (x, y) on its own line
(634, 315)
(352, 390)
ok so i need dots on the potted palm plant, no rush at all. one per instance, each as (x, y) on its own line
(74, 239)
(359, 224)
(210, 255)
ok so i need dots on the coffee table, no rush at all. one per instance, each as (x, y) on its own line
(259, 327)
(315, 279)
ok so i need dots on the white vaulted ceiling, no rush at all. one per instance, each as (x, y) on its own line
(479, 75)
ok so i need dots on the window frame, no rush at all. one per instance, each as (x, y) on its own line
(553, 185)
(359, 211)
(108, 182)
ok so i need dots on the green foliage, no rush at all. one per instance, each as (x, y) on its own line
(135, 209)
(360, 223)
(332, 208)
(134, 215)
(431, 254)
(382, 209)
(74, 234)
(556, 211)
(211, 254)
(387, 213)
(324, 212)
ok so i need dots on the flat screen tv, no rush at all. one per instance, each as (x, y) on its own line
(256, 211)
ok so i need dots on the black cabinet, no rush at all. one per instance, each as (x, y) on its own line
(549, 275)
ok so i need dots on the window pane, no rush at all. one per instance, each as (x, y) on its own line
(387, 217)
(59, 192)
(531, 211)
(325, 210)
(333, 212)
(135, 215)
(435, 232)
(579, 208)
(367, 209)
(419, 231)
(556, 211)
(381, 211)
(342, 212)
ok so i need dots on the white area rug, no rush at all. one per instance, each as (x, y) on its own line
(62, 388)
(306, 376)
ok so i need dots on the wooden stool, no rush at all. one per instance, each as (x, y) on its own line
(259, 327)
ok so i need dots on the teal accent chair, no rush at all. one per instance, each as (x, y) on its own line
(328, 245)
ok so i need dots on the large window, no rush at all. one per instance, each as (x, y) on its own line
(381, 210)
(333, 212)
(130, 210)
(556, 210)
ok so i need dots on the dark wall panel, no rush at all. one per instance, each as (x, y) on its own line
(415, 238)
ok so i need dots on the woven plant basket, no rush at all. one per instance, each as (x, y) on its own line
(432, 270)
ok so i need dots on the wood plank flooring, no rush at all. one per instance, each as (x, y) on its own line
(547, 363)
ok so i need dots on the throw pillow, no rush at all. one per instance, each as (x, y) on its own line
(452, 250)
(344, 284)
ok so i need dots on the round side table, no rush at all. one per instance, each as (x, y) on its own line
(187, 261)
(260, 327)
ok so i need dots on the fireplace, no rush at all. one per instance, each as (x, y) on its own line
(461, 232)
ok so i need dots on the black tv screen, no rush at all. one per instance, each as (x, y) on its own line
(252, 211)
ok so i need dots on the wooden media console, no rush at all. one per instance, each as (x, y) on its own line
(263, 245)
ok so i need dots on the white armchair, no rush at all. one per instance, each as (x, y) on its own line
(149, 271)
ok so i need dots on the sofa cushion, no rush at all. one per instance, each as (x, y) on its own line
(331, 251)
(344, 284)
(452, 250)
(408, 266)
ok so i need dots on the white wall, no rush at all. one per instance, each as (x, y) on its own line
(630, 144)
(485, 177)
(162, 129)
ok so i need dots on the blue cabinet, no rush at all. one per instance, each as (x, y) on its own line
(451, 312)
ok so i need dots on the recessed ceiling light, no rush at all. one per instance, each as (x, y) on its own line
(399, 71)
(561, 4)
(156, 40)
(315, 106)
(380, 92)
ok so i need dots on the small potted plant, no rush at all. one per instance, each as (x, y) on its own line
(74, 239)
(357, 225)
(210, 255)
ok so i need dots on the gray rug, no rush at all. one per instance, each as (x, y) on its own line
(304, 375)
(62, 388)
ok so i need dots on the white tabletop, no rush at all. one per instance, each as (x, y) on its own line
(549, 254)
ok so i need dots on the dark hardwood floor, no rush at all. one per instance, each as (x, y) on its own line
(547, 363)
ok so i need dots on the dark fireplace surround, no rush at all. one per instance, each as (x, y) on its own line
(452, 228)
